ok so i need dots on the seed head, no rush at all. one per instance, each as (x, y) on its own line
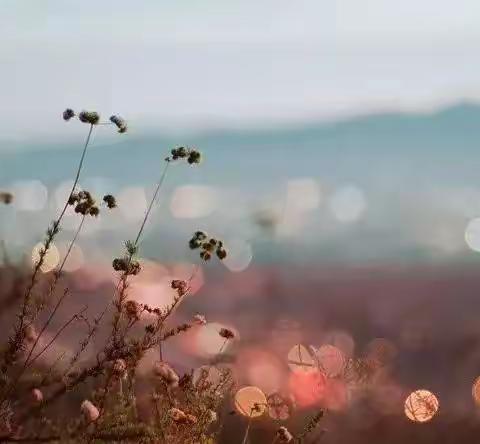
(226, 333)
(166, 373)
(110, 201)
(132, 309)
(68, 114)
(199, 319)
(177, 415)
(6, 197)
(90, 117)
(120, 123)
(284, 435)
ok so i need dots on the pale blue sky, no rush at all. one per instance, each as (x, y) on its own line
(231, 62)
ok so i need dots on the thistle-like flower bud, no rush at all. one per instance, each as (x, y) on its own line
(191, 419)
(93, 211)
(194, 157)
(120, 123)
(89, 410)
(221, 253)
(90, 117)
(119, 264)
(68, 114)
(205, 255)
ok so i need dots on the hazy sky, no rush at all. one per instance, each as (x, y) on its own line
(231, 62)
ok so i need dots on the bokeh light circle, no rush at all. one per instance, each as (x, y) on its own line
(250, 401)
(239, 255)
(279, 408)
(472, 234)
(421, 406)
(331, 360)
(476, 391)
(50, 260)
(301, 359)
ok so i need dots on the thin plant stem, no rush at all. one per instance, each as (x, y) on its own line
(247, 430)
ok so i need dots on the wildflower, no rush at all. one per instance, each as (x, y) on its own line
(179, 153)
(37, 395)
(132, 310)
(93, 211)
(165, 372)
(110, 201)
(68, 114)
(284, 435)
(177, 415)
(6, 197)
(120, 123)
(90, 117)
(194, 157)
(89, 410)
(212, 416)
(205, 255)
(180, 286)
(73, 199)
(191, 419)
(226, 333)
(199, 319)
(207, 247)
(119, 264)
(119, 368)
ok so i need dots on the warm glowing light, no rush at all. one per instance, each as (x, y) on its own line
(192, 201)
(75, 259)
(331, 360)
(208, 340)
(348, 204)
(421, 406)
(342, 340)
(261, 368)
(300, 358)
(307, 388)
(278, 407)
(476, 391)
(239, 255)
(472, 234)
(30, 195)
(303, 194)
(250, 401)
(132, 203)
(50, 260)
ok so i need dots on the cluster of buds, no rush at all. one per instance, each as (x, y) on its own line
(199, 319)
(110, 201)
(133, 310)
(284, 435)
(181, 286)
(90, 412)
(166, 373)
(207, 246)
(192, 156)
(84, 203)
(226, 333)
(181, 417)
(128, 266)
(119, 368)
(6, 197)
(120, 123)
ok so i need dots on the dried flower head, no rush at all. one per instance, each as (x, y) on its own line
(132, 309)
(68, 114)
(193, 156)
(226, 333)
(284, 435)
(199, 319)
(120, 123)
(207, 247)
(110, 201)
(90, 412)
(90, 117)
(191, 419)
(37, 395)
(180, 285)
(166, 373)
(6, 197)
(211, 416)
(119, 368)
(177, 415)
